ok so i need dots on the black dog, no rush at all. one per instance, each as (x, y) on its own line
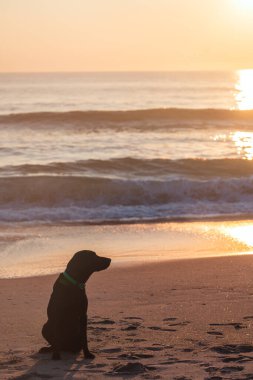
(66, 328)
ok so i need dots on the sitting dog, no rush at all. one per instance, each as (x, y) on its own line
(66, 328)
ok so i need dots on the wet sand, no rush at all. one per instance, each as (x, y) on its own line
(186, 319)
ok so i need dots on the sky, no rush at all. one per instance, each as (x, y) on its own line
(125, 35)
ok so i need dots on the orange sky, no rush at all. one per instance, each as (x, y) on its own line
(102, 35)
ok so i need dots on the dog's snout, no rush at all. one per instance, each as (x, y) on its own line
(104, 263)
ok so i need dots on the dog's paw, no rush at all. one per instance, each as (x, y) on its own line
(88, 355)
(56, 356)
(45, 350)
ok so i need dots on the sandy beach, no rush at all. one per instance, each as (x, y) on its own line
(186, 319)
(126, 129)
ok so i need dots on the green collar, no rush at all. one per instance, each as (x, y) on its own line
(73, 281)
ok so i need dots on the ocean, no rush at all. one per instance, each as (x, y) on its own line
(101, 148)
(115, 162)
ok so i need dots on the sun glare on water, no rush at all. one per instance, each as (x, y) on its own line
(242, 234)
(244, 144)
(244, 88)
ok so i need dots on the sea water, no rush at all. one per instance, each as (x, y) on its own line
(116, 147)
(113, 148)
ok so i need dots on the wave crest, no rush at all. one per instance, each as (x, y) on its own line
(149, 118)
(94, 192)
(126, 167)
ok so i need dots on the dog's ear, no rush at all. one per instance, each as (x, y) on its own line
(80, 267)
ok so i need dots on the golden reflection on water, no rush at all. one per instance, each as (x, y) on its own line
(242, 234)
(244, 90)
(244, 144)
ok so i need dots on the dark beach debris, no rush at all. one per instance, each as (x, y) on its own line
(248, 317)
(169, 319)
(214, 378)
(232, 349)
(131, 368)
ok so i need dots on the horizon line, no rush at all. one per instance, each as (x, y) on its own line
(125, 71)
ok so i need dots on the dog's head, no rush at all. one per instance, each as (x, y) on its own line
(84, 263)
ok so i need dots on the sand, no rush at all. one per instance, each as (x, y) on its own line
(187, 319)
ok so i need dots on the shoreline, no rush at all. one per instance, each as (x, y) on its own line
(189, 317)
(41, 250)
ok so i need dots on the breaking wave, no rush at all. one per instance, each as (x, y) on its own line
(89, 200)
(133, 119)
(128, 167)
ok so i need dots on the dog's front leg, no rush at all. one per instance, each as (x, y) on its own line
(86, 352)
(56, 338)
(56, 354)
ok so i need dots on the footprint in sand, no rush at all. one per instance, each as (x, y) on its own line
(98, 328)
(111, 350)
(135, 356)
(133, 318)
(131, 327)
(135, 340)
(178, 361)
(131, 369)
(158, 328)
(211, 369)
(227, 370)
(152, 348)
(105, 321)
(238, 359)
(233, 349)
(217, 333)
(188, 350)
(184, 323)
(236, 325)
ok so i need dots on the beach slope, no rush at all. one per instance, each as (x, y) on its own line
(185, 319)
